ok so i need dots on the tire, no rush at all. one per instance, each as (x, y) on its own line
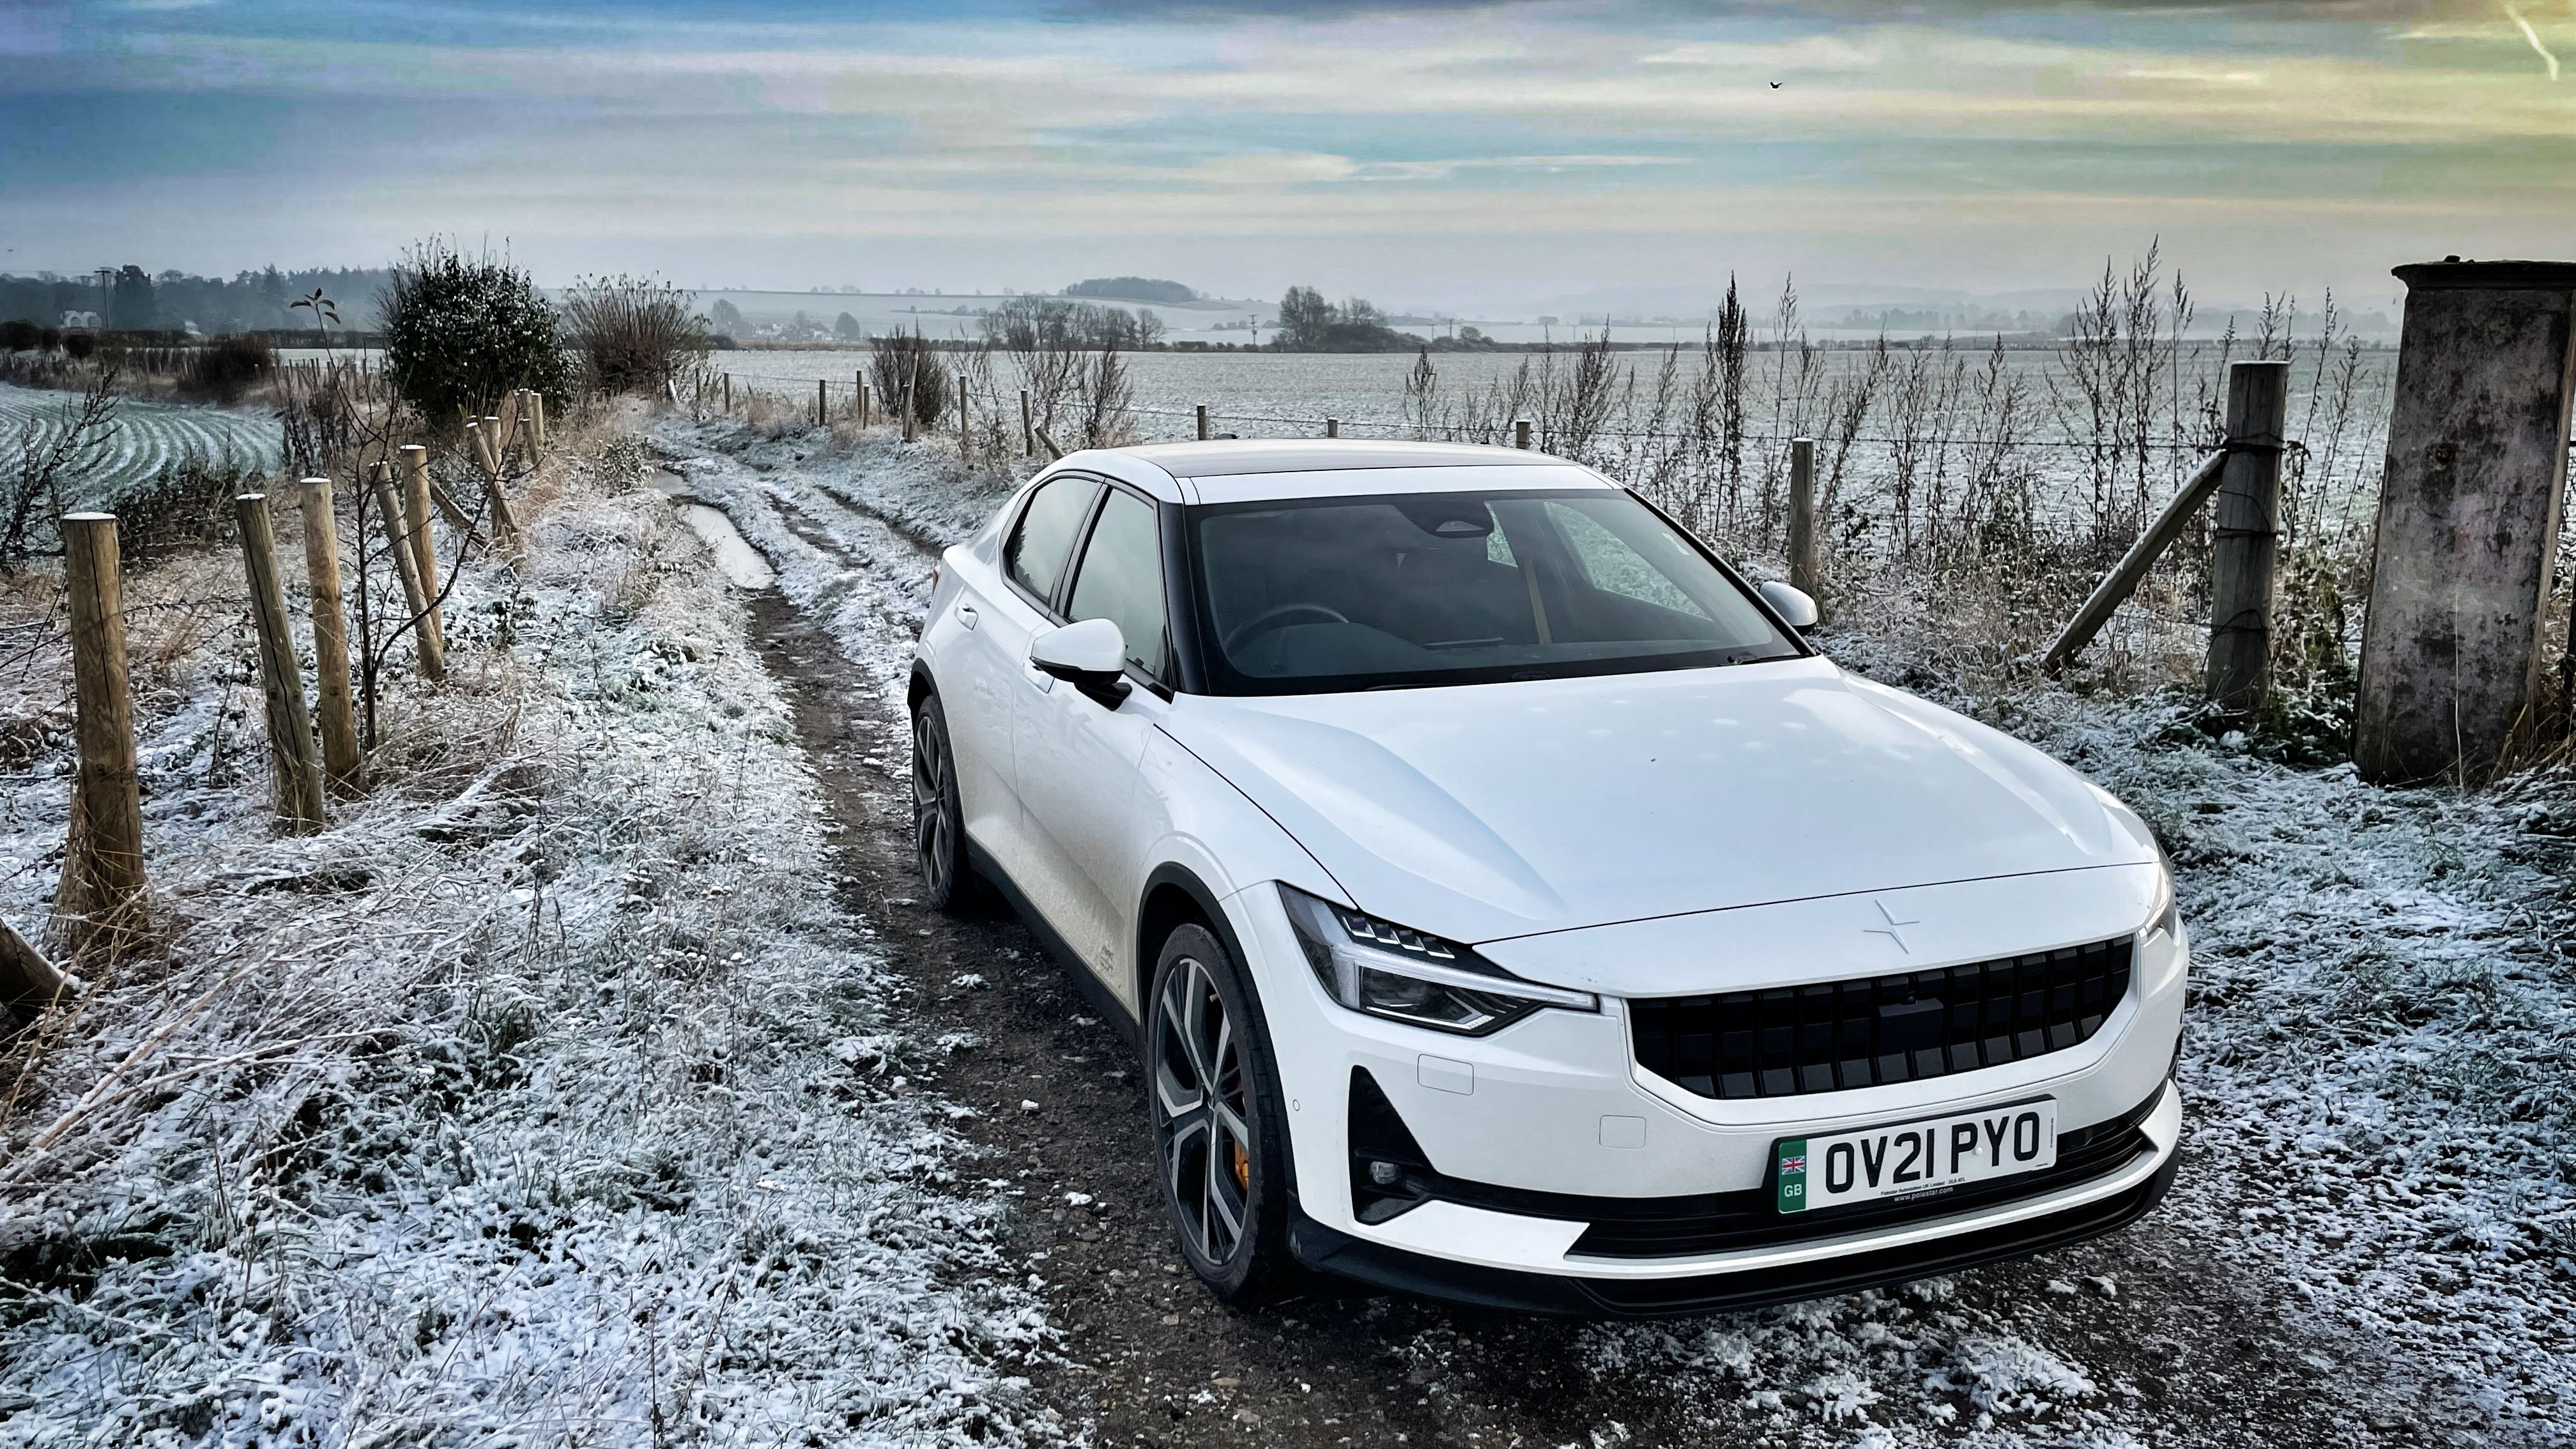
(1220, 1143)
(948, 880)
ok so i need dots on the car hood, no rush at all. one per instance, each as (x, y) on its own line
(1499, 810)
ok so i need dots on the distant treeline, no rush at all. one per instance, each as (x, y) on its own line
(129, 299)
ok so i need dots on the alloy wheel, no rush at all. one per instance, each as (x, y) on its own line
(931, 823)
(1202, 1110)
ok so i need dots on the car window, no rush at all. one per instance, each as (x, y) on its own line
(1122, 578)
(1038, 547)
(1368, 592)
(1609, 563)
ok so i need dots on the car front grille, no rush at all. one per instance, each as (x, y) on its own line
(1836, 1035)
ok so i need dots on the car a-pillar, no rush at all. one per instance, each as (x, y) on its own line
(2469, 513)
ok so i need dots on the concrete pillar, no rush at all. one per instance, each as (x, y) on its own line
(2468, 518)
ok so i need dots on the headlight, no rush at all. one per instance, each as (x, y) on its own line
(1385, 970)
(2166, 918)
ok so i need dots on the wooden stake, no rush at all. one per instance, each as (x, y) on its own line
(537, 436)
(822, 403)
(2124, 577)
(861, 384)
(1332, 427)
(2247, 527)
(907, 405)
(295, 777)
(1520, 433)
(728, 393)
(1805, 571)
(341, 761)
(28, 981)
(965, 439)
(100, 901)
(1203, 421)
(1053, 452)
(389, 513)
(424, 544)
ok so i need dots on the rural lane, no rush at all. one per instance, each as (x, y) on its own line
(2149, 1337)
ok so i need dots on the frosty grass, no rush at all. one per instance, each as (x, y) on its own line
(636, 1138)
(628, 1151)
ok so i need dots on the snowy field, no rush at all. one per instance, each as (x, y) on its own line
(149, 437)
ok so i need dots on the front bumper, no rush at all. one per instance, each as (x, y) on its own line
(1552, 1114)
(1856, 1265)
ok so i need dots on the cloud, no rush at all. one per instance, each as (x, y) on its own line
(1444, 169)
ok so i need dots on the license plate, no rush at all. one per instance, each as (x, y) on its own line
(1914, 1159)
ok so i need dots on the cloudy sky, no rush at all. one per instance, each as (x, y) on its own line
(1426, 154)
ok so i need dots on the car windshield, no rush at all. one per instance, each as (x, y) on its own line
(1323, 595)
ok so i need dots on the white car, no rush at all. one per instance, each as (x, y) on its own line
(1515, 909)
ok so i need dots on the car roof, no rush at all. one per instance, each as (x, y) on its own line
(1232, 458)
(1282, 468)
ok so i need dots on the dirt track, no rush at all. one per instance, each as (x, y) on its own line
(2178, 1348)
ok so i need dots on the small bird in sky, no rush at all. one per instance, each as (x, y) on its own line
(1775, 85)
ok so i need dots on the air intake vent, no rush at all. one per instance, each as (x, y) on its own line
(1837, 1035)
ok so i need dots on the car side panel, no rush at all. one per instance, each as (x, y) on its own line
(1075, 763)
(977, 641)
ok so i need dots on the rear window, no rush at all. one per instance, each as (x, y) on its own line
(1332, 594)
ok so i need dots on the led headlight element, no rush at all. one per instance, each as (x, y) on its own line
(1403, 975)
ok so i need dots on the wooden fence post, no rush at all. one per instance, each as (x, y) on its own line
(389, 514)
(341, 761)
(728, 389)
(965, 437)
(2243, 539)
(1028, 427)
(100, 901)
(1332, 427)
(28, 981)
(424, 544)
(1201, 409)
(907, 404)
(822, 403)
(505, 524)
(1805, 571)
(295, 778)
(2124, 577)
(859, 397)
(1520, 433)
(537, 436)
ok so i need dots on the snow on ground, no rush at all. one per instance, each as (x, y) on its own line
(2377, 1055)
(149, 436)
(542, 1099)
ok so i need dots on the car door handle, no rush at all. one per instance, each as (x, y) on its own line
(966, 616)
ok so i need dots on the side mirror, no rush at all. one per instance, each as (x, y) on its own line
(1091, 656)
(1792, 605)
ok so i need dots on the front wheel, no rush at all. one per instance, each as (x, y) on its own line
(948, 879)
(1217, 1127)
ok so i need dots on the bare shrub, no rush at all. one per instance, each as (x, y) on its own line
(904, 365)
(224, 370)
(49, 454)
(635, 335)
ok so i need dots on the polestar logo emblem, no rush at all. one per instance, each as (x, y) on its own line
(1892, 929)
